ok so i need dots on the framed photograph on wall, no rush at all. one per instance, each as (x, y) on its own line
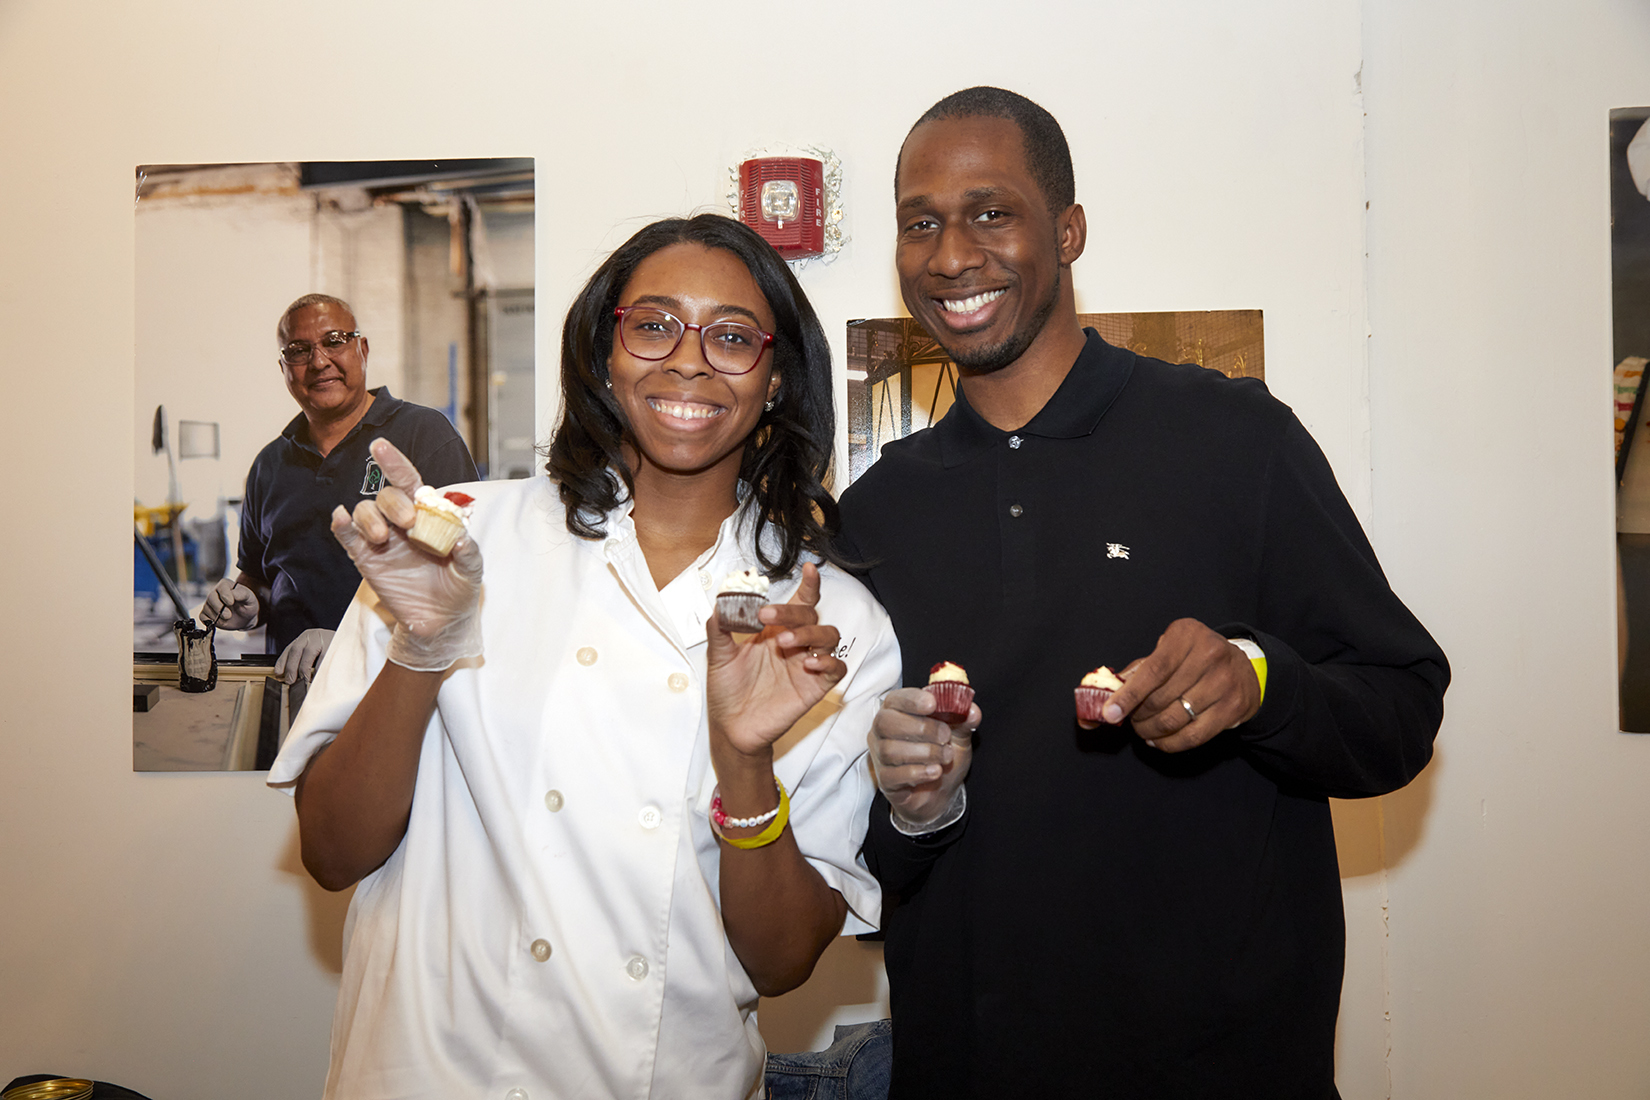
(423, 274)
(1630, 341)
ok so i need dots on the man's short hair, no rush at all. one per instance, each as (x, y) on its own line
(1048, 157)
(304, 303)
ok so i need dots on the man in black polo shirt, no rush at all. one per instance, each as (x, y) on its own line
(294, 577)
(1150, 906)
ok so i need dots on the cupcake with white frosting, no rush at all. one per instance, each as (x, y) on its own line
(440, 519)
(948, 684)
(742, 595)
(1092, 693)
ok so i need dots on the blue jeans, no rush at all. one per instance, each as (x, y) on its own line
(854, 1067)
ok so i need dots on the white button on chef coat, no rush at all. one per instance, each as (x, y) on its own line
(436, 935)
(516, 1094)
(586, 655)
(636, 967)
(651, 817)
(678, 681)
(540, 949)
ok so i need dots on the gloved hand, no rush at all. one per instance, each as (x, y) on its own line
(230, 606)
(436, 601)
(303, 656)
(920, 762)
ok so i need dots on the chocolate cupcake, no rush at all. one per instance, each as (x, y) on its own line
(1092, 693)
(743, 594)
(948, 684)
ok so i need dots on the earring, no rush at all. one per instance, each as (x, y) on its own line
(609, 383)
(769, 406)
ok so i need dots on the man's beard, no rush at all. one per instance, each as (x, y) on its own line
(989, 360)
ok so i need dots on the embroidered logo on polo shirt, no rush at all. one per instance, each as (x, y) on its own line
(374, 480)
(1117, 550)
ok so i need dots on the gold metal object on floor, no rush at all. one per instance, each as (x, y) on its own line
(61, 1088)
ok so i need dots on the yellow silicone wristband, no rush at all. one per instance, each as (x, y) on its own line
(766, 836)
(1260, 674)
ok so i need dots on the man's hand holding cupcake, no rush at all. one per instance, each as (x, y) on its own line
(922, 743)
(1192, 686)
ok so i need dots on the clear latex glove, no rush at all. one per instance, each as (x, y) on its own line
(920, 762)
(230, 606)
(436, 601)
(301, 658)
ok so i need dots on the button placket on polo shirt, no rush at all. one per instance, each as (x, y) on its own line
(1017, 519)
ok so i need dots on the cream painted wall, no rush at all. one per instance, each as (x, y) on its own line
(159, 931)
(1520, 966)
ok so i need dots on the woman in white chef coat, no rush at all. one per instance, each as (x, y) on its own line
(514, 750)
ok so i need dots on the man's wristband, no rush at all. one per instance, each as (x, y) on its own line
(1257, 658)
(953, 814)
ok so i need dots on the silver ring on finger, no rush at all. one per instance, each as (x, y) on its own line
(1192, 713)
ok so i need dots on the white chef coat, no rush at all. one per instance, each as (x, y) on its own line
(550, 925)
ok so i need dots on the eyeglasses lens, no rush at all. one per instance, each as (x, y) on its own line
(650, 333)
(729, 347)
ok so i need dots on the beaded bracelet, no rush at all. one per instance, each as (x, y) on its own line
(779, 816)
(723, 820)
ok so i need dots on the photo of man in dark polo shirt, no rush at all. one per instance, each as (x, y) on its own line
(295, 579)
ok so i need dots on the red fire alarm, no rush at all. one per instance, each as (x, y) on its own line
(783, 199)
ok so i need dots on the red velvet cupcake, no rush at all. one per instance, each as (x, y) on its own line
(1093, 692)
(948, 684)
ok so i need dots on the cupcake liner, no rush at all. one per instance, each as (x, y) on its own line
(737, 610)
(435, 532)
(1090, 701)
(951, 700)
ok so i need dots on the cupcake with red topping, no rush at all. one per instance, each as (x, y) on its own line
(440, 519)
(948, 684)
(1092, 693)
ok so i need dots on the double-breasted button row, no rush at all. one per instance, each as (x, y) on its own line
(650, 817)
(676, 681)
(635, 966)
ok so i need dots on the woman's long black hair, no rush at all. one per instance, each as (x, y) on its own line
(787, 456)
